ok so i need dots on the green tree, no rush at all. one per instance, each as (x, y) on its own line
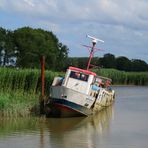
(82, 62)
(108, 61)
(32, 43)
(139, 65)
(72, 61)
(9, 47)
(6, 46)
(62, 57)
(123, 63)
(2, 42)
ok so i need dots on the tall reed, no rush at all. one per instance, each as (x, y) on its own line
(20, 90)
(124, 78)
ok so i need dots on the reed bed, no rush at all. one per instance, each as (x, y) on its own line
(20, 88)
(124, 78)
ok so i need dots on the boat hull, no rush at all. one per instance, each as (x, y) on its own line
(66, 102)
(65, 108)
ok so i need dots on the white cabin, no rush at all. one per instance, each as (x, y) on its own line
(78, 79)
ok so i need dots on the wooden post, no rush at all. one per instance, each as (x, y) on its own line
(42, 60)
(42, 74)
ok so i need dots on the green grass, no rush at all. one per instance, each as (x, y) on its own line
(20, 89)
(124, 78)
(17, 104)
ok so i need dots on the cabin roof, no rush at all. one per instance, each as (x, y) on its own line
(82, 70)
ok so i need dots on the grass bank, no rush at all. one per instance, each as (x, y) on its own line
(20, 88)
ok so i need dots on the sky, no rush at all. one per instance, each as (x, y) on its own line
(122, 24)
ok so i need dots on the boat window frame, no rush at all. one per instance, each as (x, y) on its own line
(79, 76)
(103, 82)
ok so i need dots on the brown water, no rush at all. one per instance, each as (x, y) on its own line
(124, 125)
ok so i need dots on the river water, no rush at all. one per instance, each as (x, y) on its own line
(123, 125)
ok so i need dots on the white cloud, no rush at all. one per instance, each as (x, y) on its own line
(48, 26)
(2, 4)
(30, 3)
(128, 12)
(122, 24)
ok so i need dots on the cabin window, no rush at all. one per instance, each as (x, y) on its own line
(79, 76)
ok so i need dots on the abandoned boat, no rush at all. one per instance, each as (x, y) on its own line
(80, 92)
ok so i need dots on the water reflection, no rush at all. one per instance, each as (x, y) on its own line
(101, 122)
(127, 127)
(11, 126)
(55, 132)
(79, 132)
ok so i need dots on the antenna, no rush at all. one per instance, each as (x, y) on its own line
(94, 41)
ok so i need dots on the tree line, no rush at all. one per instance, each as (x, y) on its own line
(24, 46)
(110, 61)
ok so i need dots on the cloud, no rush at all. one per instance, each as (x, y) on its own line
(130, 13)
(48, 26)
(30, 3)
(122, 24)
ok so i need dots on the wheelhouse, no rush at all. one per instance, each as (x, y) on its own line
(78, 79)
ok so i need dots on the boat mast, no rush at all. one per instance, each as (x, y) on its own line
(94, 41)
(91, 55)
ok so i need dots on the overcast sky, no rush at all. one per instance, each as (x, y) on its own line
(122, 24)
